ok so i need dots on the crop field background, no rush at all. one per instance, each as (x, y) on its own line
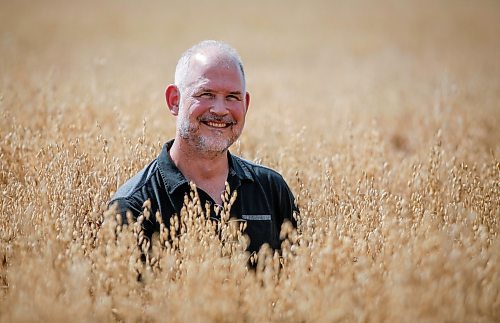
(383, 117)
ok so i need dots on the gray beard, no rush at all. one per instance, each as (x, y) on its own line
(202, 143)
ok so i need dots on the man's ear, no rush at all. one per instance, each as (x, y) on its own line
(173, 96)
(247, 101)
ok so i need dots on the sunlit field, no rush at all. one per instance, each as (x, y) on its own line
(383, 117)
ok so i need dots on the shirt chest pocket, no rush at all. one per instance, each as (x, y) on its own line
(260, 230)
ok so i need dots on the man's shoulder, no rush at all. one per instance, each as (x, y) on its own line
(259, 171)
(136, 182)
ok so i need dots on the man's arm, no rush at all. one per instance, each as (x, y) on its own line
(288, 210)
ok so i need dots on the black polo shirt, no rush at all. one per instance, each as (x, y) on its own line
(264, 200)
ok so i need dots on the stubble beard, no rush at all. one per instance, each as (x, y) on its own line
(217, 143)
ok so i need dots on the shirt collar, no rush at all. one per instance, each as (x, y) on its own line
(238, 168)
(173, 178)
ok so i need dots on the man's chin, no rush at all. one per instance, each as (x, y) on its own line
(214, 146)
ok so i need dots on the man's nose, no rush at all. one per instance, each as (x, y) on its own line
(219, 106)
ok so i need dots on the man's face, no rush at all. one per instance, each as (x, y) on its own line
(213, 103)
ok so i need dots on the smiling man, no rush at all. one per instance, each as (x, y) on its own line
(210, 101)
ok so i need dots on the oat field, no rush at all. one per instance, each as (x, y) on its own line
(383, 117)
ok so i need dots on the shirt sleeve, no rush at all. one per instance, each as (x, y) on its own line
(288, 208)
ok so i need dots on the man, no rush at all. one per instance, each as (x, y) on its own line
(210, 102)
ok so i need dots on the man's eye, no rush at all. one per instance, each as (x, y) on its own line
(206, 95)
(233, 98)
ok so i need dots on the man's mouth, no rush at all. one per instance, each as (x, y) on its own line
(217, 124)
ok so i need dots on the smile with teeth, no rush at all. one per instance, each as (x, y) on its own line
(216, 124)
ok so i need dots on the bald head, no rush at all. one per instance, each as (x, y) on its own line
(207, 52)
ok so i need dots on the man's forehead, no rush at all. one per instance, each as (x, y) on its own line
(205, 68)
(207, 85)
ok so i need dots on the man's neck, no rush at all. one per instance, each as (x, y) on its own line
(207, 170)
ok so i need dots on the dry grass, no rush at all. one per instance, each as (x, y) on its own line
(383, 117)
